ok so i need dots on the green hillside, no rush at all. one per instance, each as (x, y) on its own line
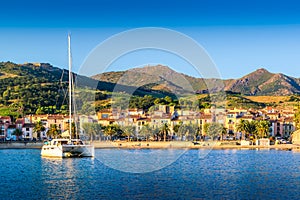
(30, 88)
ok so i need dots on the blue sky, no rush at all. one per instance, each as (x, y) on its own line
(239, 36)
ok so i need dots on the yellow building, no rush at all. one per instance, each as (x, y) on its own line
(296, 137)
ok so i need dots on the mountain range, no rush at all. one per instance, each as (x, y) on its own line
(162, 78)
(158, 79)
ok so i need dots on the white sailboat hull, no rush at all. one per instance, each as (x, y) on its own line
(65, 151)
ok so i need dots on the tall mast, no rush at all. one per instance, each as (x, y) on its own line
(70, 85)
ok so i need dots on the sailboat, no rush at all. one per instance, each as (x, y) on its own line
(68, 147)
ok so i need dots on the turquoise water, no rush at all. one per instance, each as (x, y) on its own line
(220, 174)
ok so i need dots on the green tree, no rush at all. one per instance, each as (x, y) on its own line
(176, 128)
(146, 131)
(263, 128)
(38, 128)
(18, 133)
(251, 128)
(247, 128)
(185, 130)
(111, 130)
(97, 128)
(297, 119)
(53, 131)
(92, 129)
(164, 130)
(241, 127)
(39, 111)
(128, 131)
(156, 132)
(197, 132)
(213, 129)
(224, 132)
(168, 99)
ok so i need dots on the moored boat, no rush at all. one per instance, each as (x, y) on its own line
(64, 148)
(67, 147)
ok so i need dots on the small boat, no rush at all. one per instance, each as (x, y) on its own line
(67, 147)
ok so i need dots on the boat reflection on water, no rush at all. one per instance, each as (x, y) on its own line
(62, 178)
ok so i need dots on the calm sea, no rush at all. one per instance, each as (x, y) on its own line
(172, 174)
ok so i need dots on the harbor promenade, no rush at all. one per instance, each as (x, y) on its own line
(159, 145)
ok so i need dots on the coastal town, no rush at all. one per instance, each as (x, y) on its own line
(180, 125)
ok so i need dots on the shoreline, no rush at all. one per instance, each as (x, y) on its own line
(222, 145)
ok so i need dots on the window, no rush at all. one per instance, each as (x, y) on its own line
(104, 116)
(27, 129)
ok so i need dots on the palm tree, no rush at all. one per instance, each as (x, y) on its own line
(18, 133)
(164, 129)
(251, 128)
(224, 132)
(196, 131)
(176, 129)
(146, 131)
(92, 129)
(88, 129)
(247, 128)
(38, 128)
(97, 130)
(205, 129)
(189, 131)
(111, 130)
(213, 129)
(156, 132)
(241, 127)
(53, 131)
(263, 128)
(128, 131)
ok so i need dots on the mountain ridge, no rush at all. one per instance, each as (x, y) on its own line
(259, 82)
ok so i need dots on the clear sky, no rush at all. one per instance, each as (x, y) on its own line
(239, 36)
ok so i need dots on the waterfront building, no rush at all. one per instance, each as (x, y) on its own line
(282, 127)
(20, 122)
(28, 133)
(5, 121)
(10, 132)
(58, 120)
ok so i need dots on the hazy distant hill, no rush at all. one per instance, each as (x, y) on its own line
(259, 82)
